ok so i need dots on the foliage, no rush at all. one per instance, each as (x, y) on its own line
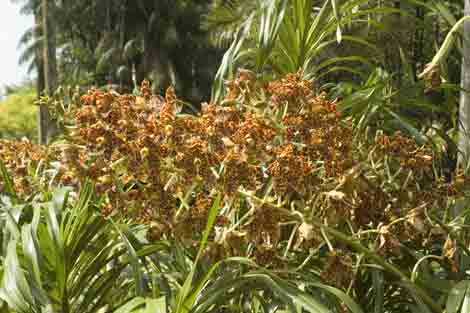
(444, 49)
(281, 37)
(328, 213)
(367, 55)
(18, 115)
(59, 259)
(104, 41)
(275, 197)
(332, 41)
(426, 113)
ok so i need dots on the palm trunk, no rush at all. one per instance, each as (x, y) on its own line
(418, 42)
(50, 68)
(40, 84)
(464, 110)
(397, 61)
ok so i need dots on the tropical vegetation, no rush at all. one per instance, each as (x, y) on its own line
(326, 172)
(18, 114)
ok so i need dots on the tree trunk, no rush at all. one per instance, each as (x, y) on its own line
(396, 54)
(418, 42)
(40, 84)
(155, 65)
(464, 110)
(50, 67)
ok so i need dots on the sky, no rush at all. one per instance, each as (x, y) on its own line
(12, 26)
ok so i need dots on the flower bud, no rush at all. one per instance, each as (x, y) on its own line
(144, 152)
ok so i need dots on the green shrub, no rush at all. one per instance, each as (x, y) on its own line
(18, 115)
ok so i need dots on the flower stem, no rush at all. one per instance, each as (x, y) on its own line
(392, 269)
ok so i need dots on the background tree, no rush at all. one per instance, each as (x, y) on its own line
(108, 41)
(50, 68)
(105, 41)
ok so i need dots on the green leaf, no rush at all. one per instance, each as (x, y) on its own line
(135, 261)
(15, 288)
(12, 220)
(185, 289)
(131, 49)
(336, 14)
(339, 36)
(155, 305)
(459, 298)
(466, 301)
(420, 139)
(343, 297)
(106, 59)
(131, 306)
(378, 283)
(214, 211)
(30, 250)
(7, 180)
(446, 46)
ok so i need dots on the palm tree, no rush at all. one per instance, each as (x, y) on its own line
(40, 46)
(32, 55)
(46, 129)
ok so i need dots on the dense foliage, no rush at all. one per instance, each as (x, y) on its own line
(321, 177)
(104, 41)
(365, 52)
(18, 114)
(287, 182)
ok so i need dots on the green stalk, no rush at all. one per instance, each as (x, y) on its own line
(441, 55)
(392, 269)
(386, 265)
